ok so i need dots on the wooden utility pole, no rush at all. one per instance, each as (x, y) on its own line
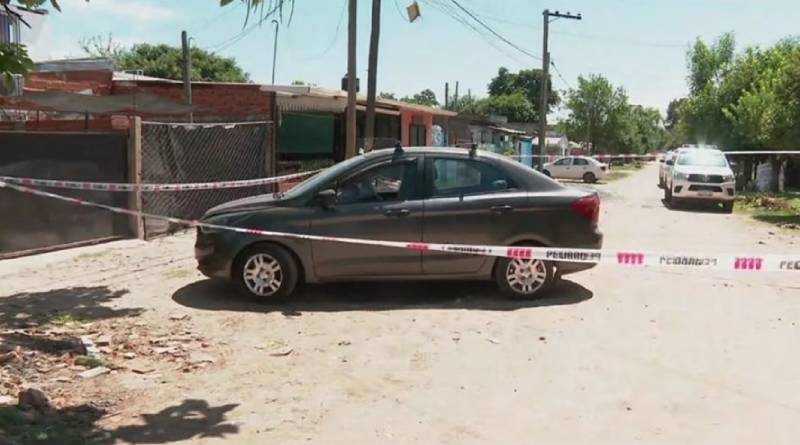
(350, 147)
(546, 14)
(455, 97)
(372, 75)
(446, 96)
(187, 71)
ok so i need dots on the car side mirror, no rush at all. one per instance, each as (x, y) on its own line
(661, 161)
(500, 184)
(327, 197)
(670, 162)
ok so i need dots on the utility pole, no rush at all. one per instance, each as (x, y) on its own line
(187, 72)
(372, 75)
(350, 147)
(274, 50)
(546, 14)
(455, 97)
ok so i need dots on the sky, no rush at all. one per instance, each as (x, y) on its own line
(639, 45)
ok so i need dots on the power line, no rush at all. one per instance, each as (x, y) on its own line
(242, 34)
(553, 64)
(399, 11)
(453, 13)
(335, 34)
(495, 33)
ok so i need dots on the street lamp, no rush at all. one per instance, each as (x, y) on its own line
(274, 50)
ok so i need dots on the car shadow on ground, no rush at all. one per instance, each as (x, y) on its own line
(219, 295)
(694, 207)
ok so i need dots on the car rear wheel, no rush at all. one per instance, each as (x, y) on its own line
(589, 177)
(547, 172)
(667, 194)
(524, 278)
(266, 272)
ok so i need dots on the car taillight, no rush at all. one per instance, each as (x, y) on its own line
(589, 207)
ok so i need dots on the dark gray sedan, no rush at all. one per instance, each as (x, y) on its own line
(427, 195)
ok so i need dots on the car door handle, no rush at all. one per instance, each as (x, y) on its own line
(501, 209)
(397, 212)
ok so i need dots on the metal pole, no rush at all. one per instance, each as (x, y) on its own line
(543, 105)
(274, 50)
(350, 147)
(187, 71)
(372, 75)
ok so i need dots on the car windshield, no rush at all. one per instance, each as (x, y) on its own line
(321, 178)
(703, 159)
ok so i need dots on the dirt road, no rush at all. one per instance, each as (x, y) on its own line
(615, 356)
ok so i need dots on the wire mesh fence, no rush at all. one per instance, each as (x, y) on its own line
(180, 153)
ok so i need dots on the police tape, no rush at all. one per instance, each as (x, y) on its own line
(132, 187)
(653, 156)
(623, 258)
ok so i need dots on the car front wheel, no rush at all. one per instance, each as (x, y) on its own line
(266, 272)
(524, 278)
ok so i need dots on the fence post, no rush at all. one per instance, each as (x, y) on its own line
(135, 174)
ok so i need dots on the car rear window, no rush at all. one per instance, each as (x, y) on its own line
(466, 176)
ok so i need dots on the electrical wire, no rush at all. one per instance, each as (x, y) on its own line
(242, 34)
(555, 68)
(399, 11)
(453, 13)
(495, 33)
(335, 34)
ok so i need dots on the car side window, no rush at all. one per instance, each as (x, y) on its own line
(467, 176)
(580, 161)
(387, 182)
(564, 161)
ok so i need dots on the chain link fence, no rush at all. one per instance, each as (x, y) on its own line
(181, 153)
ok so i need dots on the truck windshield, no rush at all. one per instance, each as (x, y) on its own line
(703, 159)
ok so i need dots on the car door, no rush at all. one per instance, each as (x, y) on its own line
(562, 168)
(580, 167)
(469, 201)
(378, 202)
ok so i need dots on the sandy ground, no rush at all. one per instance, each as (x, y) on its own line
(614, 356)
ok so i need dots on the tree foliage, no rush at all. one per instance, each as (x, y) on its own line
(746, 100)
(425, 97)
(166, 61)
(599, 113)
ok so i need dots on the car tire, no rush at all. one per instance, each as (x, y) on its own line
(727, 206)
(660, 183)
(547, 173)
(266, 272)
(589, 178)
(667, 195)
(508, 276)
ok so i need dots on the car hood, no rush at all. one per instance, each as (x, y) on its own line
(695, 170)
(250, 203)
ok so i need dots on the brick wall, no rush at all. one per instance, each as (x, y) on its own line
(98, 81)
(223, 102)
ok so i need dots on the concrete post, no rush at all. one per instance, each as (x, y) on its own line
(135, 174)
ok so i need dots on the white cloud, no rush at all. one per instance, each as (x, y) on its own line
(135, 10)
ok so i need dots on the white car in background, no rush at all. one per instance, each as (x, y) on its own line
(700, 174)
(577, 167)
(664, 165)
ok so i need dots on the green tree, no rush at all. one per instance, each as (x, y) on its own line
(598, 113)
(389, 96)
(514, 106)
(507, 88)
(14, 59)
(425, 97)
(167, 61)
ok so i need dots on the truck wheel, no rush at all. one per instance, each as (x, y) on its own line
(727, 206)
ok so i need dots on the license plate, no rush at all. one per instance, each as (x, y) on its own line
(704, 194)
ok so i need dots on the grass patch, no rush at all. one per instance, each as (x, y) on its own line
(781, 209)
(64, 427)
(89, 361)
(65, 319)
(91, 255)
(616, 174)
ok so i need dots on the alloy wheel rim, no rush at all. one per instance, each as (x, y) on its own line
(526, 276)
(262, 275)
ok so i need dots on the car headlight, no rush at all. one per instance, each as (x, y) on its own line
(682, 176)
(728, 178)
